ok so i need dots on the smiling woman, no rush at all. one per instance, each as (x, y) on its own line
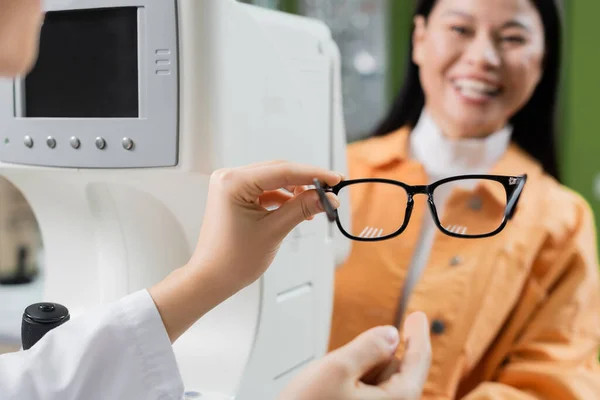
(479, 62)
(478, 98)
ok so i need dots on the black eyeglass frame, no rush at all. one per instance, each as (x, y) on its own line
(513, 187)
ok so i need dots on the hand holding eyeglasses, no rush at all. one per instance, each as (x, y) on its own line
(250, 210)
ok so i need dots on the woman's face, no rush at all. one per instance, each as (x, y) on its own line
(20, 22)
(479, 62)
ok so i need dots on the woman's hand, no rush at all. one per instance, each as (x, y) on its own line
(348, 372)
(239, 236)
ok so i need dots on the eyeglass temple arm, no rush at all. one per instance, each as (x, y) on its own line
(329, 210)
(513, 201)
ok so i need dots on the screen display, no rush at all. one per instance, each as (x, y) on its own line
(87, 66)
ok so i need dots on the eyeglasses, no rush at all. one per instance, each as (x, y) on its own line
(467, 206)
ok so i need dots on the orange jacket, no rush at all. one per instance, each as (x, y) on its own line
(516, 316)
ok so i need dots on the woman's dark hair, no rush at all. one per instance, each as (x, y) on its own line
(533, 125)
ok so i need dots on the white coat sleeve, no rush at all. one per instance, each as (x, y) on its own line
(121, 351)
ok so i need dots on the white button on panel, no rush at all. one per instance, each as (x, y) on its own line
(75, 143)
(28, 141)
(100, 143)
(127, 143)
(51, 142)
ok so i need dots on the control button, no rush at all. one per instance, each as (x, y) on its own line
(51, 142)
(127, 143)
(456, 260)
(438, 327)
(28, 141)
(100, 143)
(75, 143)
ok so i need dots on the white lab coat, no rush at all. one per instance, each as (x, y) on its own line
(118, 352)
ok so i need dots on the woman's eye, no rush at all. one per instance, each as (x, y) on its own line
(514, 39)
(461, 30)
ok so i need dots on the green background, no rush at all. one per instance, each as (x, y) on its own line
(578, 137)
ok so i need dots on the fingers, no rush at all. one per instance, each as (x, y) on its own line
(368, 350)
(382, 372)
(418, 350)
(414, 368)
(301, 208)
(263, 163)
(277, 175)
(300, 189)
(296, 190)
(274, 198)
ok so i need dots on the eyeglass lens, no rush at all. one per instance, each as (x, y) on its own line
(470, 207)
(375, 222)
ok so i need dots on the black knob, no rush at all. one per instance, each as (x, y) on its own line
(39, 319)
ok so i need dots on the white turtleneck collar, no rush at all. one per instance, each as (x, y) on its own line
(442, 157)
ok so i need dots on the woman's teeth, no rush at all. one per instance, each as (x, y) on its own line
(476, 89)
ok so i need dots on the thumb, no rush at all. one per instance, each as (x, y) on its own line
(410, 378)
(302, 207)
(369, 349)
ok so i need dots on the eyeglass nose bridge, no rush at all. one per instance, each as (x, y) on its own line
(419, 189)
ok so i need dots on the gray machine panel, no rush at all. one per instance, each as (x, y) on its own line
(150, 140)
